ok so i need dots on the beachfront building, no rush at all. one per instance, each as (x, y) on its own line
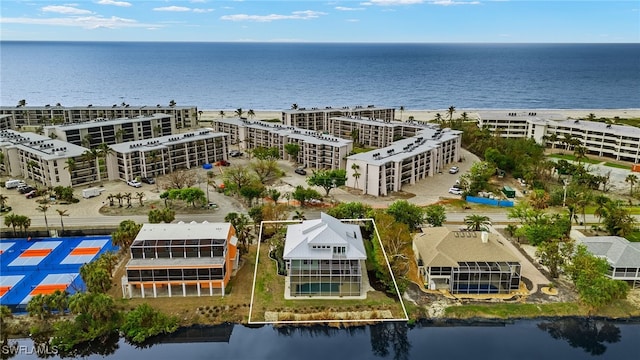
(181, 116)
(46, 161)
(622, 255)
(183, 259)
(317, 150)
(405, 161)
(162, 155)
(371, 132)
(318, 118)
(619, 142)
(92, 133)
(324, 257)
(465, 262)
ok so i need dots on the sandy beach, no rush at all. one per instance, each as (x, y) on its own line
(427, 115)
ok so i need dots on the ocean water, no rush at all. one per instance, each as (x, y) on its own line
(270, 76)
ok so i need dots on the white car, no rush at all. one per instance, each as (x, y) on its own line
(134, 183)
(454, 170)
(455, 191)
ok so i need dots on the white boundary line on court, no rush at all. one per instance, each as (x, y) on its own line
(255, 275)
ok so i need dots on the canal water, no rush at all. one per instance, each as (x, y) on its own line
(567, 339)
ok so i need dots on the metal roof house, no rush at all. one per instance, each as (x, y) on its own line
(465, 262)
(622, 255)
(183, 259)
(324, 258)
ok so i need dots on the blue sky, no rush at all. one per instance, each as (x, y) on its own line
(323, 21)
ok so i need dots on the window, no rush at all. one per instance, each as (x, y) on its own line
(339, 249)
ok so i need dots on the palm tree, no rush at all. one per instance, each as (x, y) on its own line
(62, 213)
(43, 208)
(477, 222)
(119, 134)
(11, 220)
(632, 179)
(294, 106)
(70, 166)
(591, 117)
(451, 110)
(127, 196)
(104, 150)
(140, 196)
(601, 202)
(30, 166)
(221, 113)
(172, 103)
(86, 140)
(299, 215)
(401, 112)
(239, 112)
(553, 138)
(580, 152)
(251, 113)
(356, 175)
(3, 201)
(200, 115)
(22, 103)
(439, 118)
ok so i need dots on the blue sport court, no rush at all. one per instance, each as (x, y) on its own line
(42, 266)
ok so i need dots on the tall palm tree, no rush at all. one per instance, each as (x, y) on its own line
(580, 152)
(3, 201)
(62, 213)
(251, 113)
(632, 179)
(477, 222)
(30, 166)
(450, 111)
(70, 166)
(43, 208)
(86, 140)
(439, 118)
(601, 202)
(89, 156)
(355, 167)
(172, 103)
(401, 112)
(221, 113)
(591, 117)
(104, 150)
(140, 196)
(119, 134)
(294, 106)
(239, 112)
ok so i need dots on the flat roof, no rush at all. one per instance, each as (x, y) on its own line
(426, 140)
(306, 135)
(104, 122)
(520, 114)
(164, 141)
(445, 247)
(40, 145)
(96, 107)
(328, 109)
(615, 129)
(186, 231)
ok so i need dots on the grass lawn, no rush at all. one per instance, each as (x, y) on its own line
(358, 150)
(269, 296)
(618, 166)
(569, 157)
(619, 308)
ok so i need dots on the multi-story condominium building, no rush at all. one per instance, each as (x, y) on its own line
(6, 122)
(324, 257)
(371, 132)
(406, 161)
(317, 150)
(622, 255)
(513, 124)
(194, 259)
(465, 262)
(92, 133)
(148, 158)
(181, 116)
(619, 142)
(318, 118)
(50, 162)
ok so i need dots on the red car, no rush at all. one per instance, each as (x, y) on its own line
(223, 163)
(31, 194)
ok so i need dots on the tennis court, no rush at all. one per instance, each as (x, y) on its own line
(30, 267)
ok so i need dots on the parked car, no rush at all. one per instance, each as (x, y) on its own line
(148, 180)
(455, 191)
(134, 183)
(300, 171)
(31, 194)
(222, 163)
(26, 189)
(235, 153)
(454, 170)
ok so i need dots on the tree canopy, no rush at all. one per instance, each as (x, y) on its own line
(328, 179)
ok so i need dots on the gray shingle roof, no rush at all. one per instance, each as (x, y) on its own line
(618, 250)
(326, 231)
